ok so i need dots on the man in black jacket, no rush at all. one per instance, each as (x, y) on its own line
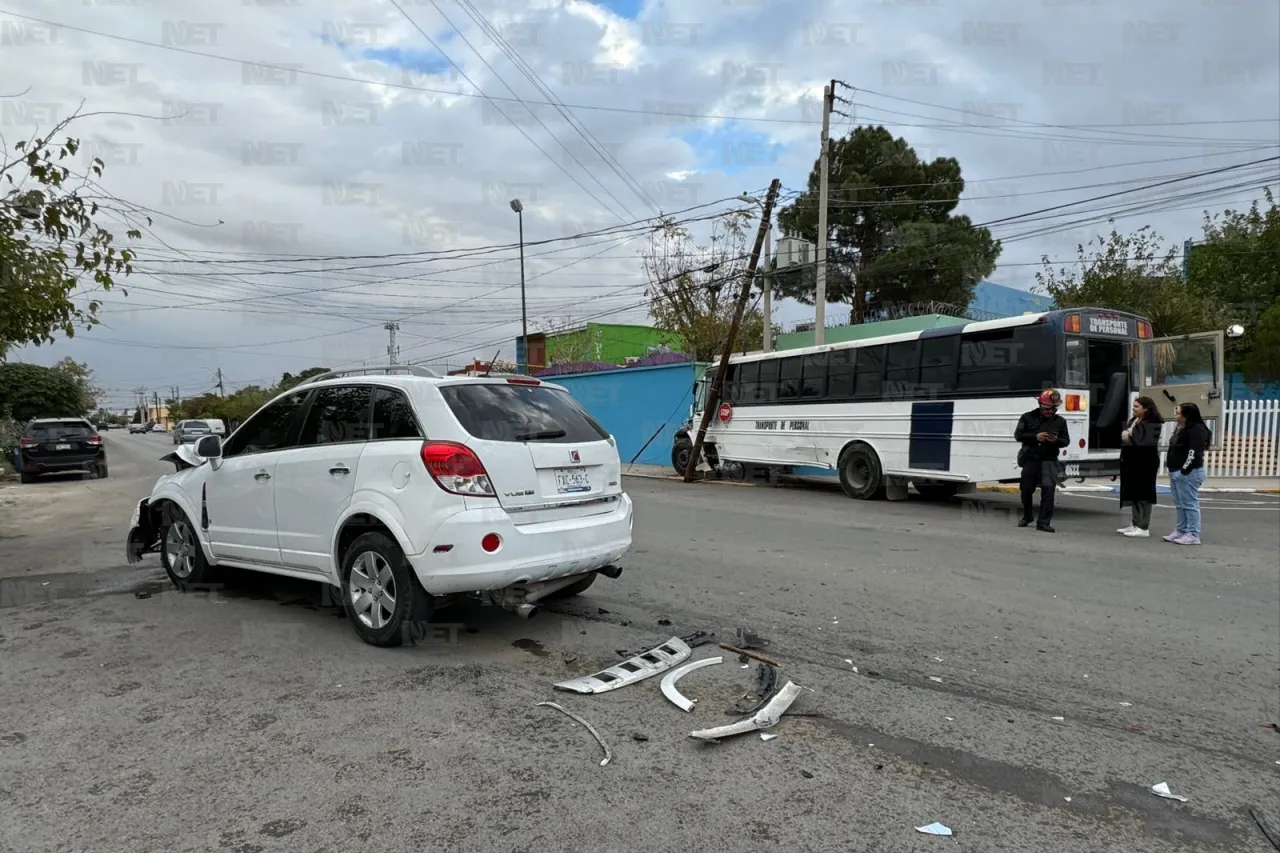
(1042, 432)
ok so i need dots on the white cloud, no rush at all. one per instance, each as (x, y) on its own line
(291, 163)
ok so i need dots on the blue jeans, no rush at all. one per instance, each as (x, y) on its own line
(1186, 499)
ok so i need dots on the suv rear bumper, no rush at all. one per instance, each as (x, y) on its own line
(529, 553)
(62, 464)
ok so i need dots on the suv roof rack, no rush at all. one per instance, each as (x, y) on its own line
(411, 369)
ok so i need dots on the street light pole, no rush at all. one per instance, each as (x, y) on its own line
(767, 286)
(524, 311)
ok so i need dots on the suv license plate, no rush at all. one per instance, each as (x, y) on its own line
(572, 480)
(62, 447)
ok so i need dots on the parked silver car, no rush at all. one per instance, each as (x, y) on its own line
(188, 431)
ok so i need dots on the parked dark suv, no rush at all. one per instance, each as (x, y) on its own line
(61, 446)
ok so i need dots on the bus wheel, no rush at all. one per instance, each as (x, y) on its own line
(680, 457)
(933, 490)
(860, 474)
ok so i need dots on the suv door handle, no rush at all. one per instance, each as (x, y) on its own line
(339, 469)
(262, 475)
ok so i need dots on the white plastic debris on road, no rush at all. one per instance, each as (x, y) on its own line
(934, 829)
(767, 736)
(1161, 789)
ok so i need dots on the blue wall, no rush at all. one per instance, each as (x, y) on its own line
(1007, 301)
(633, 402)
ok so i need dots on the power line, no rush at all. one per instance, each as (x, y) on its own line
(457, 94)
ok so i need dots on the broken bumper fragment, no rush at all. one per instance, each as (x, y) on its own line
(669, 682)
(766, 718)
(631, 670)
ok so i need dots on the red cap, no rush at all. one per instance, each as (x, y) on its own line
(1048, 396)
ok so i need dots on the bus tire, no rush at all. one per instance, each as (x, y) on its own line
(934, 490)
(861, 476)
(680, 457)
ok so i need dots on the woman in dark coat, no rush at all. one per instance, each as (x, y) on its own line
(1139, 465)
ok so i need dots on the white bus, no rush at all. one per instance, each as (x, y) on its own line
(937, 409)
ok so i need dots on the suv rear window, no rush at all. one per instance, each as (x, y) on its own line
(56, 430)
(195, 425)
(521, 413)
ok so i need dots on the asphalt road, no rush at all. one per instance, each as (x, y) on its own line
(252, 719)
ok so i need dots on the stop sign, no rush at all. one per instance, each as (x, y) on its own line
(726, 413)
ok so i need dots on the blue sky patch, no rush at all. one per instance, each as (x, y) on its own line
(629, 9)
(423, 61)
(733, 149)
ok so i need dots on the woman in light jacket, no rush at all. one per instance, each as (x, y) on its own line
(1139, 465)
(1185, 462)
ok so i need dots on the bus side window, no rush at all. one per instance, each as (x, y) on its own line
(748, 382)
(938, 365)
(767, 390)
(868, 372)
(902, 370)
(986, 361)
(813, 380)
(789, 370)
(729, 392)
(1035, 365)
(1076, 369)
(840, 375)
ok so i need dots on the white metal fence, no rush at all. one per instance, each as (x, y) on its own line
(1246, 440)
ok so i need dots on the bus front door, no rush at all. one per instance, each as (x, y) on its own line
(1183, 369)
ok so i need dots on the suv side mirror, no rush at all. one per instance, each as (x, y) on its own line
(209, 447)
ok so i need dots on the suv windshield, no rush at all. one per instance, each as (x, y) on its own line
(58, 430)
(521, 413)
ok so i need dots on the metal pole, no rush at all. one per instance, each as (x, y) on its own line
(820, 289)
(768, 292)
(713, 396)
(524, 312)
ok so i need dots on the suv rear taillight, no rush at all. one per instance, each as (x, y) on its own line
(95, 441)
(27, 442)
(456, 469)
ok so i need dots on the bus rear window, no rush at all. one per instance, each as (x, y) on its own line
(1076, 365)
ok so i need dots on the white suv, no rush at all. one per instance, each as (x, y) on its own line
(404, 490)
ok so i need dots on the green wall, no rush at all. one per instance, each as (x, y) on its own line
(612, 343)
(840, 334)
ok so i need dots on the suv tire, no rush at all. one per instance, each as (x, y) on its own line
(375, 562)
(27, 478)
(180, 552)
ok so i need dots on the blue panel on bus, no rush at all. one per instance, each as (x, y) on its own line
(931, 425)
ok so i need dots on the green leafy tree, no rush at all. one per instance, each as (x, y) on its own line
(90, 393)
(32, 391)
(289, 380)
(892, 235)
(1132, 273)
(693, 289)
(1262, 362)
(1236, 266)
(52, 243)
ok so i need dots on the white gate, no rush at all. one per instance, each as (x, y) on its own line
(1246, 441)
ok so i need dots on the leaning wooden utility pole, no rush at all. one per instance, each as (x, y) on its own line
(713, 395)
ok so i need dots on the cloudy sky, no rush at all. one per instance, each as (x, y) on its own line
(314, 170)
